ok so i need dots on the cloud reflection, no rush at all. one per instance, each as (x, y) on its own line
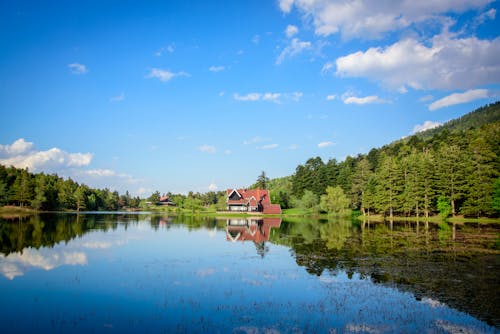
(16, 264)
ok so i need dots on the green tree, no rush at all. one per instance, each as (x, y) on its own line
(496, 196)
(444, 207)
(80, 198)
(39, 199)
(262, 181)
(335, 201)
(361, 177)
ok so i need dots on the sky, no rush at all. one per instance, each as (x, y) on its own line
(197, 96)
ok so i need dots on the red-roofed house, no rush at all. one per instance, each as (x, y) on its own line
(251, 200)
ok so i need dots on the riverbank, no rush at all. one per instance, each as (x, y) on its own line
(12, 212)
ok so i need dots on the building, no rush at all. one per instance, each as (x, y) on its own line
(251, 200)
(165, 200)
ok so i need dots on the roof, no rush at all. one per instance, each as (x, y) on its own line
(252, 196)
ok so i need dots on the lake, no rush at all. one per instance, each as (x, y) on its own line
(125, 272)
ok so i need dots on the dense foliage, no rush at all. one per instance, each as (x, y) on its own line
(457, 163)
(51, 192)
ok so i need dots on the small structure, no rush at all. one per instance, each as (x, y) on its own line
(251, 200)
(165, 200)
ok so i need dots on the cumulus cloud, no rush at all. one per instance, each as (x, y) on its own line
(273, 97)
(216, 69)
(77, 68)
(295, 47)
(165, 75)
(426, 126)
(269, 97)
(255, 140)
(19, 146)
(371, 19)
(348, 98)
(268, 147)
(445, 64)
(100, 172)
(169, 48)
(324, 144)
(291, 30)
(459, 98)
(213, 187)
(247, 97)
(331, 97)
(207, 149)
(21, 154)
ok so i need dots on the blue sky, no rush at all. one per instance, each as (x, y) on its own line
(204, 95)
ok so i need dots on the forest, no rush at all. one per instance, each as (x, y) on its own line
(453, 169)
(450, 170)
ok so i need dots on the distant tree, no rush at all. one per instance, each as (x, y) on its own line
(496, 196)
(444, 207)
(335, 201)
(4, 194)
(262, 181)
(80, 198)
(39, 199)
(155, 197)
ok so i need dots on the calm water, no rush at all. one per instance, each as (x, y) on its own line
(143, 273)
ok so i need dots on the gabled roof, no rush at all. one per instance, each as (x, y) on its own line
(247, 195)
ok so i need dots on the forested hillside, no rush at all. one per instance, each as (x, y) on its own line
(454, 167)
(51, 192)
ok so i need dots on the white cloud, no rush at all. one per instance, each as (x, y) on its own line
(268, 147)
(324, 144)
(295, 96)
(348, 98)
(248, 97)
(227, 152)
(459, 98)
(273, 97)
(255, 140)
(445, 64)
(169, 48)
(19, 146)
(293, 147)
(328, 67)
(20, 154)
(100, 172)
(118, 98)
(426, 126)
(268, 96)
(286, 5)
(207, 149)
(426, 98)
(371, 19)
(77, 68)
(165, 75)
(213, 187)
(331, 97)
(216, 69)
(295, 47)
(256, 39)
(291, 30)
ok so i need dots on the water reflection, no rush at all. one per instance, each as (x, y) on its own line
(255, 230)
(337, 267)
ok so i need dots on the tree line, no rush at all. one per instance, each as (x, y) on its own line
(455, 169)
(49, 192)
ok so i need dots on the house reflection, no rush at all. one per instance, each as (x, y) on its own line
(256, 230)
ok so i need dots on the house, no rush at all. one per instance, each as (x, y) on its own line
(165, 200)
(251, 200)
